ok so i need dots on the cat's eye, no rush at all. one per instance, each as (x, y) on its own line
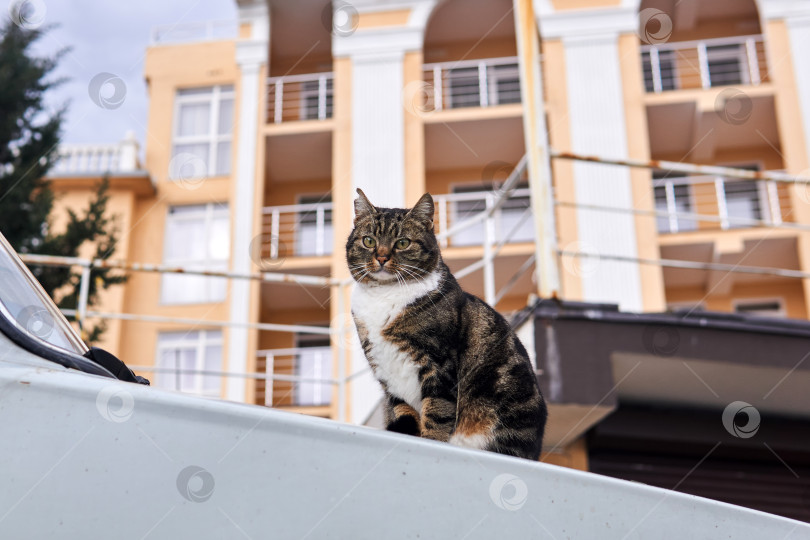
(402, 243)
(369, 242)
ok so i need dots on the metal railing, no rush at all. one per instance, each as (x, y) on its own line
(299, 97)
(97, 158)
(297, 229)
(306, 229)
(299, 376)
(704, 64)
(472, 83)
(170, 34)
(711, 202)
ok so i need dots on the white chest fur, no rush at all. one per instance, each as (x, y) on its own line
(376, 307)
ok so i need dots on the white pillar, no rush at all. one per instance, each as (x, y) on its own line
(796, 14)
(251, 54)
(378, 133)
(597, 119)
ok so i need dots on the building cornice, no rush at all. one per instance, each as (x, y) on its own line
(784, 9)
(585, 23)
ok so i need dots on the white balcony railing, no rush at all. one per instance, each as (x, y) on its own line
(299, 376)
(299, 97)
(306, 229)
(172, 34)
(712, 202)
(704, 64)
(297, 229)
(472, 83)
(80, 159)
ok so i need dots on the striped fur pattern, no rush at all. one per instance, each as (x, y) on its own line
(451, 367)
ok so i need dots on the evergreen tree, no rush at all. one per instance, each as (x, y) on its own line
(29, 136)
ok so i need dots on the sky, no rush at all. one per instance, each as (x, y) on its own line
(108, 41)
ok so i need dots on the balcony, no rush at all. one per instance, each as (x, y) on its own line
(298, 377)
(704, 64)
(305, 230)
(294, 98)
(709, 202)
(472, 83)
(97, 159)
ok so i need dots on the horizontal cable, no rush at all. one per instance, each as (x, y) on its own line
(692, 265)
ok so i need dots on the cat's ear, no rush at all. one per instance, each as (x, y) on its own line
(423, 209)
(362, 206)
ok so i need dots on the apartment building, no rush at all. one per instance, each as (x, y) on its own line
(260, 130)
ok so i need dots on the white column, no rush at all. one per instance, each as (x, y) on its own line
(597, 119)
(378, 134)
(251, 54)
(796, 14)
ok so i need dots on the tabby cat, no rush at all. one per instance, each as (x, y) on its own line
(451, 367)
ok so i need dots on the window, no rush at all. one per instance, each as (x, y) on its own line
(727, 65)
(504, 84)
(311, 92)
(743, 201)
(513, 220)
(196, 237)
(463, 88)
(314, 236)
(314, 361)
(674, 199)
(764, 308)
(666, 71)
(203, 126)
(181, 356)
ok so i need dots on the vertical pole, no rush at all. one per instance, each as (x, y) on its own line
(269, 370)
(655, 67)
(437, 88)
(275, 234)
(753, 61)
(672, 208)
(536, 141)
(322, 97)
(319, 230)
(722, 208)
(278, 101)
(773, 203)
(443, 219)
(341, 335)
(489, 269)
(703, 58)
(84, 293)
(483, 95)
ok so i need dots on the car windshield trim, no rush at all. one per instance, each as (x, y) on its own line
(38, 326)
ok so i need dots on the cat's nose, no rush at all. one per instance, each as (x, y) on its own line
(382, 259)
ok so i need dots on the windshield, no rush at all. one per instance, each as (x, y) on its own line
(23, 301)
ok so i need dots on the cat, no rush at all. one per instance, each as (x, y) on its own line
(450, 365)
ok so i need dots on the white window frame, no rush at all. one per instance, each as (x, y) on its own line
(669, 185)
(495, 76)
(302, 343)
(327, 242)
(782, 312)
(213, 138)
(207, 213)
(725, 52)
(203, 339)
